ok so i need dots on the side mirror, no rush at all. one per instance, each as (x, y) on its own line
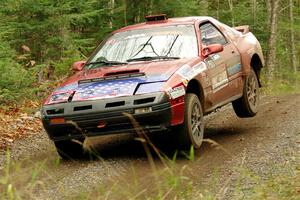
(78, 66)
(213, 48)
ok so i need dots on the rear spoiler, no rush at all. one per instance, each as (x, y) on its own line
(243, 29)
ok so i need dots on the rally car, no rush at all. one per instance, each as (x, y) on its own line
(164, 73)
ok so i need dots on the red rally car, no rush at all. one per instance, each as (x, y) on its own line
(166, 73)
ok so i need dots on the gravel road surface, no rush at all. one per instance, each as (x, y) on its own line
(272, 136)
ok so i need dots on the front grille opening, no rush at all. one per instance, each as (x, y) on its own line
(81, 108)
(115, 104)
(55, 111)
(144, 101)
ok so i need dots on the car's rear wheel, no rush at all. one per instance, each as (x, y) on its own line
(247, 105)
(70, 149)
(191, 132)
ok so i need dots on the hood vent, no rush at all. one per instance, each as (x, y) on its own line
(116, 73)
(114, 76)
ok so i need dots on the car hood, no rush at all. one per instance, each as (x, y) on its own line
(114, 81)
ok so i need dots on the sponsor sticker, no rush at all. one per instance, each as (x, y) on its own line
(188, 72)
(219, 81)
(176, 92)
(135, 36)
(210, 63)
(215, 57)
(199, 68)
(185, 82)
(234, 69)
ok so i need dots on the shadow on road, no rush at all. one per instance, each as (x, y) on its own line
(127, 147)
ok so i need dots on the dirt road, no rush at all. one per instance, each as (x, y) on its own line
(272, 136)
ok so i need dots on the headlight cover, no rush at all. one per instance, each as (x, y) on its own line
(60, 97)
(149, 87)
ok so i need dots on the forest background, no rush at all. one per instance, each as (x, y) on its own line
(40, 39)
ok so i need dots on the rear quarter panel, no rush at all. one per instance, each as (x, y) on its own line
(246, 43)
(248, 46)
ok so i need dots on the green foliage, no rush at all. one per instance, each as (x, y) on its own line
(13, 77)
(59, 32)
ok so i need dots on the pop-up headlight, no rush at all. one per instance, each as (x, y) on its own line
(60, 97)
(149, 87)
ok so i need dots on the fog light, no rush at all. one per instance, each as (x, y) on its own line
(57, 120)
(142, 110)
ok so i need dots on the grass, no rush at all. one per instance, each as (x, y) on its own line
(165, 178)
(286, 83)
(166, 181)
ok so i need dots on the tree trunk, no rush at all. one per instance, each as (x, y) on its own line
(125, 12)
(150, 7)
(271, 55)
(205, 5)
(269, 10)
(230, 3)
(292, 37)
(218, 9)
(137, 17)
(254, 11)
(111, 7)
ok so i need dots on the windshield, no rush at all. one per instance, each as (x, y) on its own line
(170, 42)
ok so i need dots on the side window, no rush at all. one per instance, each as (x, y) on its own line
(211, 35)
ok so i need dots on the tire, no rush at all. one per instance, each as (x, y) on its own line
(70, 149)
(191, 132)
(247, 105)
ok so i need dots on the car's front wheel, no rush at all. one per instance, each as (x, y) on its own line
(70, 149)
(247, 105)
(191, 132)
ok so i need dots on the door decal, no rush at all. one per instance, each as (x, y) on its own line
(234, 69)
(219, 81)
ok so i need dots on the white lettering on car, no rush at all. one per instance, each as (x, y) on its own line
(219, 81)
(188, 72)
(176, 92)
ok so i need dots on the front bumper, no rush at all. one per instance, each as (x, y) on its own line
(83, 118)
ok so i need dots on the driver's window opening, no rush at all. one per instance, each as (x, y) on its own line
(211, 35)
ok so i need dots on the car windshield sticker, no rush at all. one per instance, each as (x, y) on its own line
(135, 36)
(219, 81)
(234, 69)
(177, 92)
(188, 72)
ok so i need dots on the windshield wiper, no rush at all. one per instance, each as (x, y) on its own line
(146, 58)
(106, 62)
